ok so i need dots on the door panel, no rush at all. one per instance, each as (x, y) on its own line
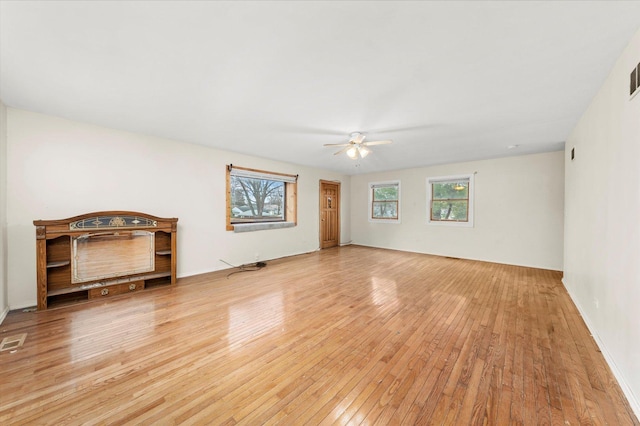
(329, 214)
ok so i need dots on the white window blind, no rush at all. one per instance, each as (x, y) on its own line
(464, 179)
(255, 174)
(384, 185)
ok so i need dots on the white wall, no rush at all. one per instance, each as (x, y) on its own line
(59, 168)
(602, 222)
(4, 284)
(518, 212)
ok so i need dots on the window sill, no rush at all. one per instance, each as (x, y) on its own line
(451, 223)
(250, 227)
(395, 221)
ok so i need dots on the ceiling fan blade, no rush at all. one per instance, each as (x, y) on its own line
(307, 130)
(376, 143)
(337, 144)
(402, 129)
(342, 150)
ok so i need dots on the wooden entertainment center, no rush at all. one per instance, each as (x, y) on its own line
(103, 254)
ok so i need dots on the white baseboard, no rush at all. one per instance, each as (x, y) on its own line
(628, 393)
(29, 304)
(3, 314)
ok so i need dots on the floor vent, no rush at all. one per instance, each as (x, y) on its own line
(12, 342)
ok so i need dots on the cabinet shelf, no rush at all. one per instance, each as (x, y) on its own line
(108, 283)
(120, 252)
(58, 264)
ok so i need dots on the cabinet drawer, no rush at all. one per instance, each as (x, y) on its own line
(113, 290)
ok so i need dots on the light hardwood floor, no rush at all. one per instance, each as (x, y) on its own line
(348, 335)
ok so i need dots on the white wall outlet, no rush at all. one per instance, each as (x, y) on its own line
(257, 256)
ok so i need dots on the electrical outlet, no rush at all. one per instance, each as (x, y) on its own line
(596, 302)
(257, 256)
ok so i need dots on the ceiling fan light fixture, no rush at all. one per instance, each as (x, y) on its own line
(356, 147)
(364, 151)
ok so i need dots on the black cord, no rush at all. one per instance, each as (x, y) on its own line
(247, 267)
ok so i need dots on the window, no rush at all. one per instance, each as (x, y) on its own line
(259, 197)
(384, 199)
(635, 81)
(450, 200)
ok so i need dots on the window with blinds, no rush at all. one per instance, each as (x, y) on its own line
(384, 201)
(451, 199)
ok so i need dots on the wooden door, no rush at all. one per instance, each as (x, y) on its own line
(329, 214)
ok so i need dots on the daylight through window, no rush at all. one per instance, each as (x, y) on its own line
(256, 196)
(385, 198)
(450, 199)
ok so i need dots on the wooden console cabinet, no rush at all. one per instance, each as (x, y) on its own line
(103, 254)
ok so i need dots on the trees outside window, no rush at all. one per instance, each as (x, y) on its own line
(255, 199)
(256, 196)
(384, 200)
(451, 199)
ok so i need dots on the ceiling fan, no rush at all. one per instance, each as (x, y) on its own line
(356, 147)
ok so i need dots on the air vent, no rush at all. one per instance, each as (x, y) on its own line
(12, 342)
(634, 84)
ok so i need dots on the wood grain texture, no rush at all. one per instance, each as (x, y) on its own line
(348, 335)
(329, 214)
(102, 249)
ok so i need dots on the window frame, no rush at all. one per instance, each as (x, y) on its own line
(290, 198)
(372, 186)
(469, 223)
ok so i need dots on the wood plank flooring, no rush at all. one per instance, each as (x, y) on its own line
(348, 335)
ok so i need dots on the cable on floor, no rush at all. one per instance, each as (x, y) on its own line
(247, 267)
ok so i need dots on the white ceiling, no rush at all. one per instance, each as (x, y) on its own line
(447, 81)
